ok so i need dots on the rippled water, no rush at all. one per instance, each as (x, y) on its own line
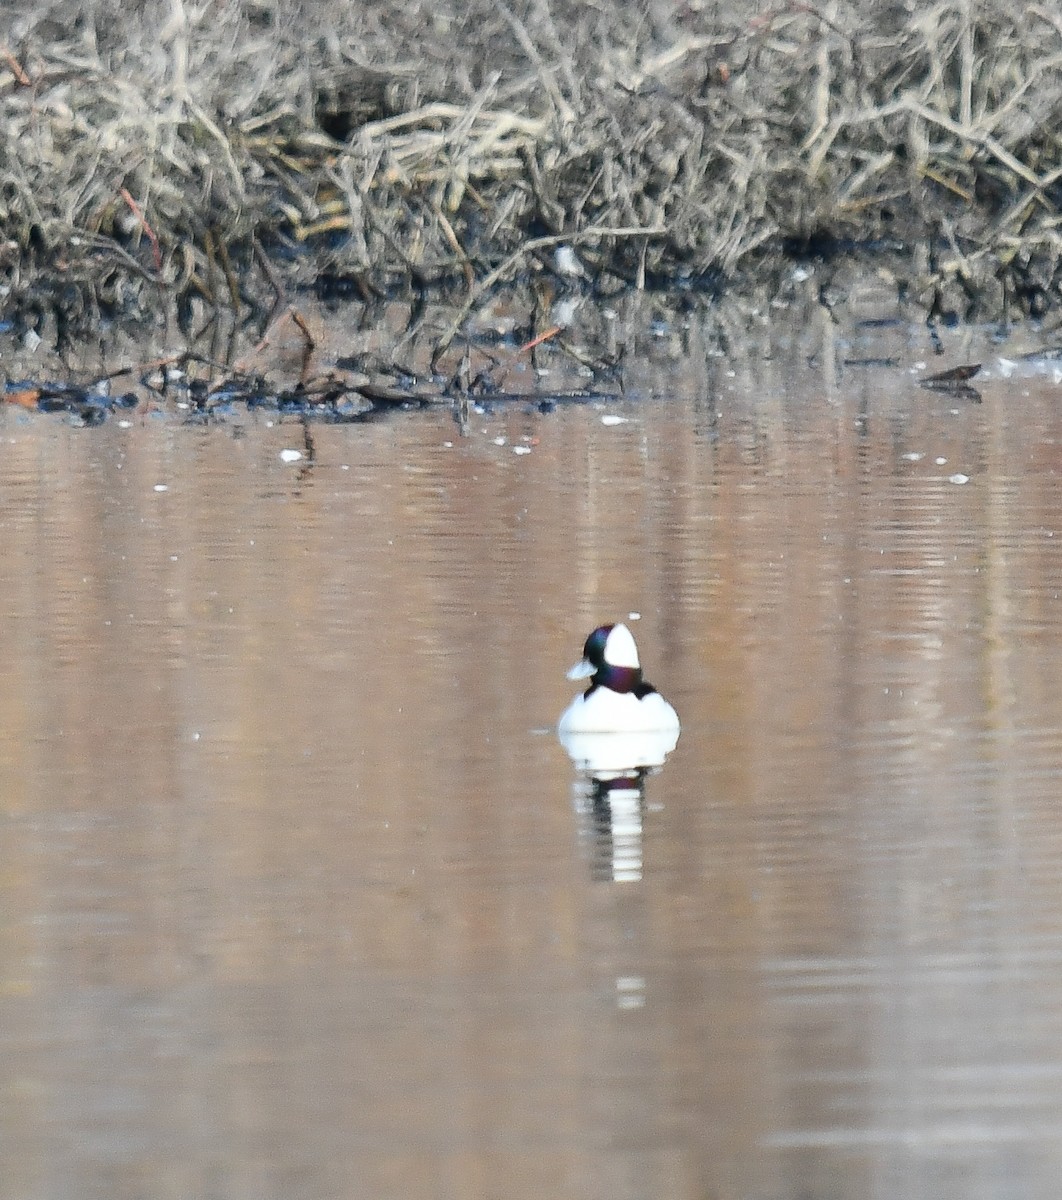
(302, 898)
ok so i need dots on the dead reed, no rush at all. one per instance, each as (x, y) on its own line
(217, 152)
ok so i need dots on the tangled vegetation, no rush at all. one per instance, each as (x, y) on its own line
(221, 152)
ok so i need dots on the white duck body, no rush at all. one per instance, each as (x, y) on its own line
(618, 699)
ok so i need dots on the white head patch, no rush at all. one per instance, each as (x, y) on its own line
(620, 649)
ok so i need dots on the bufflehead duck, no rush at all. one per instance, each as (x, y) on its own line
(618, 699)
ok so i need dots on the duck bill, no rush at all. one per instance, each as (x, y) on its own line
(582, 670)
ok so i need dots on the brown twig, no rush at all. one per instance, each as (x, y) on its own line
(138, 212)
(21, 78)
(542, 337)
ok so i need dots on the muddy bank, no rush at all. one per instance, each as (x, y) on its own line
(226, 155)
(323, 363)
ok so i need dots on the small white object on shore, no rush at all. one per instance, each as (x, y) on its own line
(566, 262)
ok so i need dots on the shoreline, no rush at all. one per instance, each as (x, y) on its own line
(228, 155)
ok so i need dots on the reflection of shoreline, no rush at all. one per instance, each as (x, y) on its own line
(609, 796)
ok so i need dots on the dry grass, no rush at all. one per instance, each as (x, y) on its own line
(216, 152)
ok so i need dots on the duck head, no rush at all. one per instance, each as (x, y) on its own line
(610, 659)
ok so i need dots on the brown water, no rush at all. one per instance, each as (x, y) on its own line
(296, 900)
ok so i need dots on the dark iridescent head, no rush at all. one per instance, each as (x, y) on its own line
(594, 646)
(610, 656)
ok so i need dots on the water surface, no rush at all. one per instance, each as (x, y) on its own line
(299, 895)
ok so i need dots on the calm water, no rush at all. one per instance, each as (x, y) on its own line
(302, 898)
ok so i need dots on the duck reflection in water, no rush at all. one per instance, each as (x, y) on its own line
(617, 733)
